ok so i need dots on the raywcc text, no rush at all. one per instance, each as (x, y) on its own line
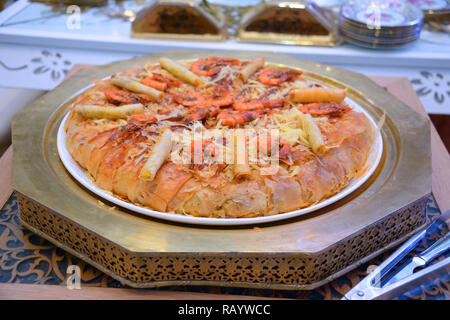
(231, 309)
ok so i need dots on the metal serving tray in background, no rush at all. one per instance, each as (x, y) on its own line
(312, 16)
(213, 20)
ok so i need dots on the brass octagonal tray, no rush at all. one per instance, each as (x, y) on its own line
(298, 253)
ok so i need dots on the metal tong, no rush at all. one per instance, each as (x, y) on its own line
(385, 283)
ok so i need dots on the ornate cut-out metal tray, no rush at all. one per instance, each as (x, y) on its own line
(298, 253)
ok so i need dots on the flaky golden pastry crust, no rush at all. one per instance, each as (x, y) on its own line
(125, 131)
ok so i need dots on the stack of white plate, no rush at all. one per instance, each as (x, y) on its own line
(380, 23)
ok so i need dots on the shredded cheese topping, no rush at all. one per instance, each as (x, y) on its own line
(287, 122)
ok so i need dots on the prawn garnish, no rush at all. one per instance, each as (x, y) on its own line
(201, 113)
(160, 82)
(322, 108)
(171, 82)
(220, 98)
(202, 146)
(264, 144)
(142, 119)
(210, 66)
(190, 99)
(122, 96)
(234, 118)
(158, 85)
(203, 153)
(276, 76)
(257, 104)
(272, 103)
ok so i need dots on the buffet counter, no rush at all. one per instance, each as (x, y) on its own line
(38, 46)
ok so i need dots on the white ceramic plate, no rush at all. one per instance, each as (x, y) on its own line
(80, 175)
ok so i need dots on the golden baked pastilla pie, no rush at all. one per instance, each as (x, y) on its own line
(218, 137)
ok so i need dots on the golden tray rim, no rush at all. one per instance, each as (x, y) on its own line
(41, 180)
